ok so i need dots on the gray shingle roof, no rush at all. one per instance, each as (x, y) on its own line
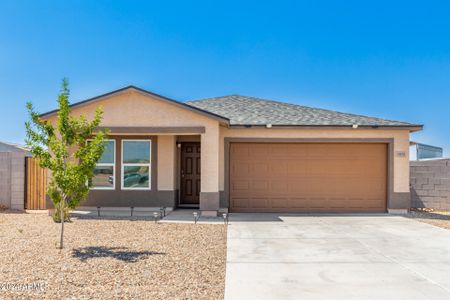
(243, 110)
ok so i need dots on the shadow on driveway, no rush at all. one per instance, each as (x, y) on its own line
(120, 253)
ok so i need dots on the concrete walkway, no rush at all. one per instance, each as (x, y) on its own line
(146, 213)
(186, 216)
(336, 257)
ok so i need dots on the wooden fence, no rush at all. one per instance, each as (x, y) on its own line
(35, 184)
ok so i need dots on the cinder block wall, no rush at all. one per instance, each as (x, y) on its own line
(5, 179)
(430, 184)
(12, 179)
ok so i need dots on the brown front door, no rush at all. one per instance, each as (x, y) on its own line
(190, 173)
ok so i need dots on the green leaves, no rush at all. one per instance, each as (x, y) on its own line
(63, 149)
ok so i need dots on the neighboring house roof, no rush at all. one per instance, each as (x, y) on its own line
(11, 147)
(244, 110)
(236, 110)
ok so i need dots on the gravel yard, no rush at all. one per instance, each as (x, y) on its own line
(106, 258)
(436, 218)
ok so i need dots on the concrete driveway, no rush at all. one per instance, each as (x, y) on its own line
(336, 257)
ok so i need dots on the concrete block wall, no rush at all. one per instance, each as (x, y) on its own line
(430, 184)
(17, 180)
(12, 179)
(5, 179)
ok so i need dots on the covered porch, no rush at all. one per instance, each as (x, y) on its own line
(180, 169)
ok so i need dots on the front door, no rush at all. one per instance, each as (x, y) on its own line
(190, 174)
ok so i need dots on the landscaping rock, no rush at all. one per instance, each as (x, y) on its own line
(110, 258)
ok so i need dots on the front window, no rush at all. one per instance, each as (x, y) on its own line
(136, 170)
(104, 171)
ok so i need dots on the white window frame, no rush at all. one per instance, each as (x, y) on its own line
(107, 165)
(123, 165)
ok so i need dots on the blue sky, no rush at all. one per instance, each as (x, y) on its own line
(389, 59)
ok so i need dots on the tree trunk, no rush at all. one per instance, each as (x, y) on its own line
(61, 208)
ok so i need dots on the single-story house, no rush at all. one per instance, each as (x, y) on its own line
(244, 154)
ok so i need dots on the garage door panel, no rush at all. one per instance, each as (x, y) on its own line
(280, 202)
(259, 203)
(318, 202)
(240, 203)
(322, 186)
(337, 203)
(280, 167)
(336, 167)
(241, 168)
(375, 203)
(325, 151)
(260, 185)
(298, 188)
(278, 186)
(241, 152)
(297, 167)
(240, 185)
(358, 203)
(258, 152)
(288, 177)
(259, 169)
(298, 203)
(290, 151)
(278, 151)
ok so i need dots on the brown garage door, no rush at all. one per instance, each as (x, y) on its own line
(275, 177)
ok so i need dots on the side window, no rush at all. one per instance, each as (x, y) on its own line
(105, 170)
(136, 169)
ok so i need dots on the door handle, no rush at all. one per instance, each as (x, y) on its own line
(182, 173)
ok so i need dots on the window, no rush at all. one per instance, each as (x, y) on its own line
(136, 158)
(104, 171)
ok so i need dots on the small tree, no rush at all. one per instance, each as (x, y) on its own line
(63, 149)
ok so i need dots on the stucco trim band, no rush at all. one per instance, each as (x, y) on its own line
(152, 130)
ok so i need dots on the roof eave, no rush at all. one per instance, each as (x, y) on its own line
(411, 128)
(219, 118)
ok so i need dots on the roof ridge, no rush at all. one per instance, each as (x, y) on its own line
(218, 97)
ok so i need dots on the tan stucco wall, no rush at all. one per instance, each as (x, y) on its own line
(132, 108)
(401, 143)
(210, 159)
(166, 162)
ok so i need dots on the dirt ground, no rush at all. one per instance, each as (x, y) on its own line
(110, 258)
(436, 218)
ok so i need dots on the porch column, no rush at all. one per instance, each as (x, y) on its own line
(209, 189)
(166, 170)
